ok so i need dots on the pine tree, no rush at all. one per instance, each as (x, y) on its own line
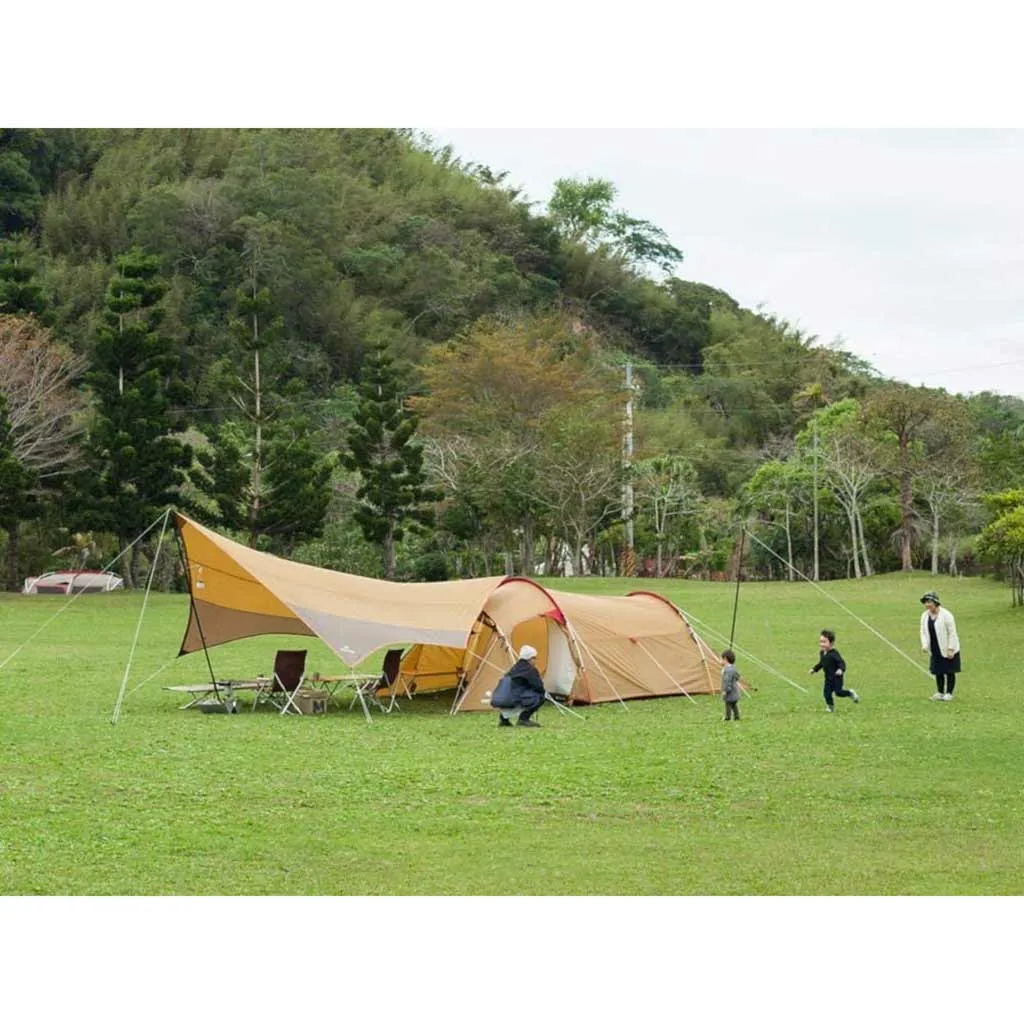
(19, 290)
(137, 465)
(264, 471)
(393, 489)
(298, 481)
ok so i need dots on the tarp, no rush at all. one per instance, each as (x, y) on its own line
(238, 592)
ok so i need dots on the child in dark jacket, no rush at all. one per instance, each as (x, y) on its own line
(730, 686)
(832, 662)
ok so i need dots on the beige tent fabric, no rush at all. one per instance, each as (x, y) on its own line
(636, 646)
(462, 631)
(625, 647)
(240, 592)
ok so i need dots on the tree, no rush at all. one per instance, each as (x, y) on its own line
(947, 480)
(43, 412)
(381, 448)
(20, 199)
(851, 460)
(904, 411)
(579, 481)
(582, 212)
(265, 472)
(500, 390)
(1003, 539)
(20, 292)
(137, 464)
(17, 499)
(298, 480)
(666, 487)
(40, 380)
(777, 488)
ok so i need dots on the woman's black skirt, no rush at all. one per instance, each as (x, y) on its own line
(940, 666)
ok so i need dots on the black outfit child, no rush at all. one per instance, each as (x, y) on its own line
(832, 661)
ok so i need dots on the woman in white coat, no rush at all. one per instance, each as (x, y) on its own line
(938, 637)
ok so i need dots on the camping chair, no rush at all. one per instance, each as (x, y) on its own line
(368, 687)
(281, 688)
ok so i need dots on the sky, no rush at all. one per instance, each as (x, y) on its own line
(906, 244)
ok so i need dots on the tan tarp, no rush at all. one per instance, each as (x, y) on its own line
(462, 633)
(238, 592)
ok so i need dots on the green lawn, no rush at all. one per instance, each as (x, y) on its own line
(896, 795)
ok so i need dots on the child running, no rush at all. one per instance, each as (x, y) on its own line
(832, 662)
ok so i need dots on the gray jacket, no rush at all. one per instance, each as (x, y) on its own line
(730, 682)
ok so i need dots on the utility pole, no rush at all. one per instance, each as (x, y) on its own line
(628, 556)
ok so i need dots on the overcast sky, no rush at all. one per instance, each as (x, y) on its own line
(909, 245)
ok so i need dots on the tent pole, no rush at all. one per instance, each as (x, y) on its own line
(698, 640)
(138, 626)
(460, 696)
(739, 573)
(192, 605)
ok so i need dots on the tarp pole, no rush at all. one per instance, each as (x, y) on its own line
(138, 626)
(739, 573)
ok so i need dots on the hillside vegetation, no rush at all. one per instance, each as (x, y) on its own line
(361, 349)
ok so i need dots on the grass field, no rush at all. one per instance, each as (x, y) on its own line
(895, 795)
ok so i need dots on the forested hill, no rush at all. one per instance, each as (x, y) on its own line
(358, 235)
(260, 270)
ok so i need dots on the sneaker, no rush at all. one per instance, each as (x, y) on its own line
(854, 697)
(529, 723)
(829, 708)
(937, 696)
(504, 721)
(947, 696)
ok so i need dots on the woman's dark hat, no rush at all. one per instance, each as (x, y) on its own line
(931, 596)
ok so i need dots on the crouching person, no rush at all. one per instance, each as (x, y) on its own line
(527, 689)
